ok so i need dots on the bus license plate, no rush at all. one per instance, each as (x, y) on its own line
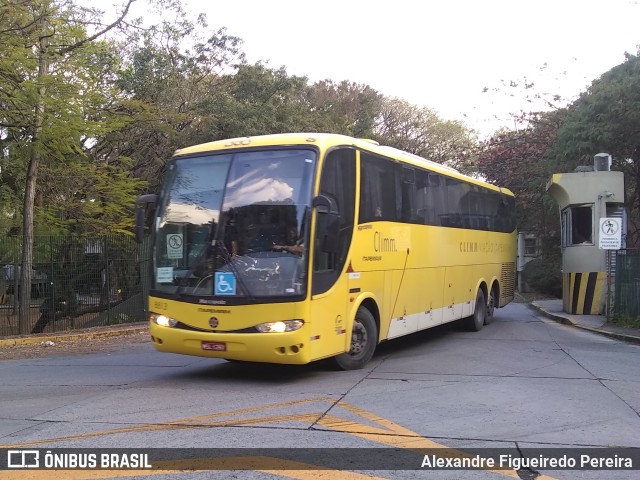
(216, 346)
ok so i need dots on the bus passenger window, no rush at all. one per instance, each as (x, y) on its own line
(378, 199)
(408, 195)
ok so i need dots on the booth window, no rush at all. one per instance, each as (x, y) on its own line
(530, 247)
(577, 225)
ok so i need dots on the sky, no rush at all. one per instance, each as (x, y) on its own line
(438, 54)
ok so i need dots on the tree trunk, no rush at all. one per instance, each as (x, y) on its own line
(24, 292)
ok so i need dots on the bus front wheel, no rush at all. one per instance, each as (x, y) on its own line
(364, 338)
(476, 321)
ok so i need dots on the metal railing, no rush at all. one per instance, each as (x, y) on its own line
(76, 283)
(627, 283)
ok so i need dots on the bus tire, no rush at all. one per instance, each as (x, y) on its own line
(476, 321)
(492, 301)
(364, 338)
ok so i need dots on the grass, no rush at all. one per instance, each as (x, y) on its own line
(626, 321)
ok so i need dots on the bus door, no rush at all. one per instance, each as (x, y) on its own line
(334, 209)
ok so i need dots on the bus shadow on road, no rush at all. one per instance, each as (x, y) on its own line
(417, 340)
(265, 373)
(276, 374)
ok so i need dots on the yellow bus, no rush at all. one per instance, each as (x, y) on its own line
(292, 248)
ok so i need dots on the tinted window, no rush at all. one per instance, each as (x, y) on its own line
(377, 189)
(394, 192)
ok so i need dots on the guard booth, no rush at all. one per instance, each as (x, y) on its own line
(592, 217)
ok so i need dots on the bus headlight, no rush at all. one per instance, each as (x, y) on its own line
(279, 327)
(163, 320)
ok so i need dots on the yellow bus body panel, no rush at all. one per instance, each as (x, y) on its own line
(423, 276)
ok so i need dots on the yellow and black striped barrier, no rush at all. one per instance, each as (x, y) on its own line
(582, 292)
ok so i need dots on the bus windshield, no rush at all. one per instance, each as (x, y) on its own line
(235, 224)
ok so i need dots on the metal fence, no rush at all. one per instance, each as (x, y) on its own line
(627, 283)
(76, 283)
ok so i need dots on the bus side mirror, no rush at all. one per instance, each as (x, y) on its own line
(328, 222)
(324, 204)
(143, 206)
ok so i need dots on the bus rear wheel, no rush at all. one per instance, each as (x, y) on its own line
(492, 301)
(364, 338)
(476, 321)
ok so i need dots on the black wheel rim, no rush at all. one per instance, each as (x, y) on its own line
(359, 338)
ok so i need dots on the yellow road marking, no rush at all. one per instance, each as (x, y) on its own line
(196, 422)
(386, 433)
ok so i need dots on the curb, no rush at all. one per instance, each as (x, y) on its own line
(118, 331)
(568, 321)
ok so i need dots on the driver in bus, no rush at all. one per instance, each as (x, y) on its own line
(295, 247)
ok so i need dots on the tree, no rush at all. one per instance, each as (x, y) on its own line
(168, 76)
(345, 107)
(420, 131)
(258, 100)
(96, 199)
(46, 86)
(606, 118)
(522, 161)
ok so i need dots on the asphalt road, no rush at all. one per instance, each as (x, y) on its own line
(523, 382)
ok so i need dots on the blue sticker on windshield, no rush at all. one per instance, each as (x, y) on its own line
(225, 283)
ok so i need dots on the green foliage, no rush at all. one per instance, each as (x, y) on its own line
(606, 118)
(167, 77)
(626, 321)
(97, 199)
(421, 132)
(543, 275)
(520, 160)
(69, 80)
(344, 107)
(256, 101)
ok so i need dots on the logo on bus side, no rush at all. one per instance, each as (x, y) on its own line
(470, 247)
(482, 247)
(384, 244)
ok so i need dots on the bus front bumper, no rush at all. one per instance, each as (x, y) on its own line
(284, 348)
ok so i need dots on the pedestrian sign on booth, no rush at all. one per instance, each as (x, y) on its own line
(610, 234)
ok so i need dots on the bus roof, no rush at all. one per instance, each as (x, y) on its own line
(325, 140)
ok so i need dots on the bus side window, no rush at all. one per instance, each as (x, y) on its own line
(378, 186)
(407, 194)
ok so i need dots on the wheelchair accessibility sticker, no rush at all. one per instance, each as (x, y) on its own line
(225, 283)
